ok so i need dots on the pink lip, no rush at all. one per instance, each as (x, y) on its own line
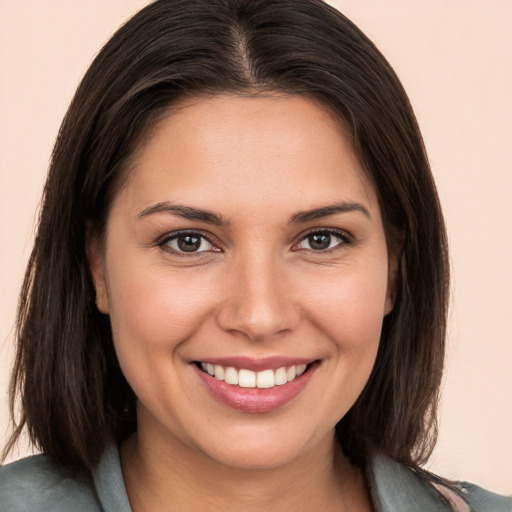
(256, 364)
(253, 399)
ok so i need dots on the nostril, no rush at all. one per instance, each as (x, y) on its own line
(258, 322)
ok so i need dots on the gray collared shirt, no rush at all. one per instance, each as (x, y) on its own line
(35, 485)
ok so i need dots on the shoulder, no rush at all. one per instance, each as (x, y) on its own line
(35, 484)
(484, 500)
(398, 487)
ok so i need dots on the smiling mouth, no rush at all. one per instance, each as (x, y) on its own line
(244, 378)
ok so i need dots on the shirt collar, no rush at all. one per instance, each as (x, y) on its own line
(394, 487)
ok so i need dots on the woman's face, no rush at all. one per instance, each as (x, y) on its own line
(247, 242)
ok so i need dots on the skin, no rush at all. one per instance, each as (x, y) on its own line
(257, 289)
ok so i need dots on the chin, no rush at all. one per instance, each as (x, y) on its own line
(259, 451)
(255, 459)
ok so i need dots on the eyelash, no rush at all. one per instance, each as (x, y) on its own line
(345, 238)
(163, 242)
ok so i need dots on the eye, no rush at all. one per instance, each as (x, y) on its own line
(188, 242)
(322, 240)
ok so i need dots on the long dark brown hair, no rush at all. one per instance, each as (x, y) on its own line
(74, 398)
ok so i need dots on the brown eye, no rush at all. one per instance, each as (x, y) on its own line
(189, 243)
(322, 240)
(319, 241)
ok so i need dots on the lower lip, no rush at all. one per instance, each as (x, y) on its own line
(255, 399)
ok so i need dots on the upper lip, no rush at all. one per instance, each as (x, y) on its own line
(256, 364)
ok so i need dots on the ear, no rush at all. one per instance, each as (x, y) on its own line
(394, 272)
(95, 258)
(391, 290)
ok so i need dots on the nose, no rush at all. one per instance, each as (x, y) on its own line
(258, 300)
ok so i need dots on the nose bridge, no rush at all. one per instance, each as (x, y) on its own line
(258, 302)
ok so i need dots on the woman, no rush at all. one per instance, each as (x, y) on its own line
(241, 301)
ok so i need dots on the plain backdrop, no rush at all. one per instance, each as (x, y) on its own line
(455, 60)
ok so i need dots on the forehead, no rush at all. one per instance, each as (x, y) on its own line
(235, 148)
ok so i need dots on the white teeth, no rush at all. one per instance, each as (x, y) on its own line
(248, 379)
(280, 377)
(265, 379)
(291, 373)
(301, 368)
(219, 372)
(231, 376)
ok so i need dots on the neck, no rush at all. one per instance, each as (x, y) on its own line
(165, 474)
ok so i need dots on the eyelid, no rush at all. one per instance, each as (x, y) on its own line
(347, 238)
(163, 240)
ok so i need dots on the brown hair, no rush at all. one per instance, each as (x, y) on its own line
(74, 398)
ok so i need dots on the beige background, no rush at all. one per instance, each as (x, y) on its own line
(455, 60)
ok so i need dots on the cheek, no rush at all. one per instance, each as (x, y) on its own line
(349, 314)
(350, 306)
(155, 311)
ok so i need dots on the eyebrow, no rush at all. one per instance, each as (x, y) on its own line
(186, 212)
(327, 211)
(191, 213)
